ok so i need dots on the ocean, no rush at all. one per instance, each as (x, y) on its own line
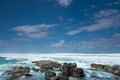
(8, 60)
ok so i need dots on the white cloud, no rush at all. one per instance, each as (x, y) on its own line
(103, 20)
(64, 3)
(58, 44)
(37, 35)
(73, 32)
(100, 24)
(33, 31)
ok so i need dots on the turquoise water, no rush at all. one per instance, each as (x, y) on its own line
(7, 63)
(3, 60)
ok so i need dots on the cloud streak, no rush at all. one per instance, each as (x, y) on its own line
(113, 3)
(97, 44)
(64, 3)
(33, 31)
(103, 20)
(21, 39)
(2, 42)
(58, 44)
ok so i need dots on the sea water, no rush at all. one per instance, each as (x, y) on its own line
(7, 61)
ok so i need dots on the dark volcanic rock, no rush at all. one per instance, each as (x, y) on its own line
(62, 78)
(71, 70)
(49, 75)
(28, 75)
(34, 69)
(67, 71)
(46, 65)
(115, 69)
(17, 72)
(14, 76)
(78, 72)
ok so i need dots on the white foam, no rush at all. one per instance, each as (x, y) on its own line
(0, 73)
(81, 59)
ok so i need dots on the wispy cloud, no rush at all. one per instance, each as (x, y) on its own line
(94, 6)
(58, 44)
(106, 13)
(116, 36)
(102, 20)
(61, 18)
(96, 44)
(64, 3)
(113, 3)
(2, 42)
(33, 31)
(21, 39)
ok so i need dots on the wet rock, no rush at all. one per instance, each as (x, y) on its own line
(62, 78)
(46, 65)
(49, 75)
(67, 69)
(71, 70)
(94, 76)
(115, 69)
(14, 76)
(28, 75)
(78, 72)
(99, 66)
(34, 69)
(17, 72)
(107, 68)
(117, 78)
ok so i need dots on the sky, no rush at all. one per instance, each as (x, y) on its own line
(59, 26)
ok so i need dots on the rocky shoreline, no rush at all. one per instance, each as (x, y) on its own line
(115, 69)
(67, 71)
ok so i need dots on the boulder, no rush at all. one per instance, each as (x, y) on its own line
(17, 72)
(71, 70)
(14, 76)
(46, 65)
(107, 68)
(78, 72)
(115, 69)
(67, 69)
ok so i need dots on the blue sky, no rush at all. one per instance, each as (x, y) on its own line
(54, 26)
